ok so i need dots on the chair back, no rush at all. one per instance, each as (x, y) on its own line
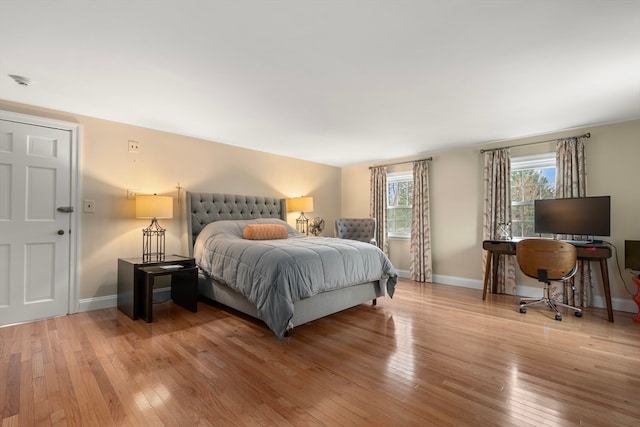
(546, 259)
(362, 229)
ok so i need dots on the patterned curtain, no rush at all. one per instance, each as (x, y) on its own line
(420, 269)
(571, 182)
(378, 205)
(497, 210)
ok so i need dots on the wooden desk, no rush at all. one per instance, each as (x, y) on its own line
(586, 252)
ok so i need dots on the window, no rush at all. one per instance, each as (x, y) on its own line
(532, 177)
(399, 204)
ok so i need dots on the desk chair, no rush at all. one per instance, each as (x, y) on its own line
(547, 260)
(362, 229)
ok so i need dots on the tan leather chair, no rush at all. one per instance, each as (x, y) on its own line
(547, 260)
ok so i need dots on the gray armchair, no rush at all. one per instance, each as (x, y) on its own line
(362, 229)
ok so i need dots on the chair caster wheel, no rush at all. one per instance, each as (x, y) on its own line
(558, 317)
(578, 314)
(523, 310)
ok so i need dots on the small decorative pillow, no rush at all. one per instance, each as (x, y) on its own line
(265, 232)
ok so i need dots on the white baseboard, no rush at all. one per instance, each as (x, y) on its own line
(619, 304)
(88, 304)
(458, 281)
(404, 274)
(98, 303)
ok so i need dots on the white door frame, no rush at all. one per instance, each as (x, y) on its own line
(74, 238)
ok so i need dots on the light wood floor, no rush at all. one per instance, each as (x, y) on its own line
(433, 355)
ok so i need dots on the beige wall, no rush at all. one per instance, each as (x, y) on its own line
(108, 170)
(456, 197)
(456, 178)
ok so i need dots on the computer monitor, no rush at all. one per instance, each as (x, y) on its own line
(589, 216)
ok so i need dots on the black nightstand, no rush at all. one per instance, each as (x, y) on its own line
(136, 279)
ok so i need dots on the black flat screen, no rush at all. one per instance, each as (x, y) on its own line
(589, 216)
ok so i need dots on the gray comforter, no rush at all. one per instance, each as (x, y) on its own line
(274, 274)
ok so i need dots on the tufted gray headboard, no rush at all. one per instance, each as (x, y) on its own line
(203, 208)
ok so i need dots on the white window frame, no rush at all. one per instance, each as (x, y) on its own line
(536, 161)
(392, 178)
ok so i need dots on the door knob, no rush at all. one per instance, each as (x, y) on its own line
(60, 232)
(65, 209)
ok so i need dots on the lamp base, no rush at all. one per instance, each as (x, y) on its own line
(302, 224)
(153, 242)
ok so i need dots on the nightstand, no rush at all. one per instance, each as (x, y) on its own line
(136, 280)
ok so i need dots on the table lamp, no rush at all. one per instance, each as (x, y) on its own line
(302, 205)
(154, 207)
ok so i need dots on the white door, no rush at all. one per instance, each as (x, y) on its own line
(35, 225)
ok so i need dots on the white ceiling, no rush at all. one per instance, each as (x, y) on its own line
(333, 81)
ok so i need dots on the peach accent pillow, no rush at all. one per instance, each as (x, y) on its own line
(265, 232)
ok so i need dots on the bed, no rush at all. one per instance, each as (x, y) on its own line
(313, 280)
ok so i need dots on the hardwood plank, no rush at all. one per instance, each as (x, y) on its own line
(26, 393)
(433, 355)
(12, 381)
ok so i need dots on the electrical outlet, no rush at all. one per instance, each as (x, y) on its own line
(131, 194)
(89, 206)
(134, 146)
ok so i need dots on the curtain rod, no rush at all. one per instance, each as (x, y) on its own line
(586, 135)
(401, 163)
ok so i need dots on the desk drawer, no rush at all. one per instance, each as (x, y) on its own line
(498, 246)
(591, 252)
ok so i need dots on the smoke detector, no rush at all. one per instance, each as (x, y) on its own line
(21, 80)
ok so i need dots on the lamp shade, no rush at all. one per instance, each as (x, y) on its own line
(154, 206)
(300, 204)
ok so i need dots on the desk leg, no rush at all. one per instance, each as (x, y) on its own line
(487, 270)
(607, 289)
(494, 272)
